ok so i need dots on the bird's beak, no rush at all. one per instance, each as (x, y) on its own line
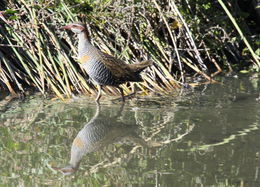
(67, 27)
(68, 170)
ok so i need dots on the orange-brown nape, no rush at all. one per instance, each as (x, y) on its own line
(84, 58)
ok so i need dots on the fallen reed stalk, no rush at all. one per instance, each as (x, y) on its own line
(35, 53)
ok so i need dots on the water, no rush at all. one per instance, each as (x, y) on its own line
(207, 136)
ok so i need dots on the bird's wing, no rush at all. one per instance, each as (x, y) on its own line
(118, 68)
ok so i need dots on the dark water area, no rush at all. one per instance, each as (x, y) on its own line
(206, 136)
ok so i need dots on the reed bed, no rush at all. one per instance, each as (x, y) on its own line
(35, 53)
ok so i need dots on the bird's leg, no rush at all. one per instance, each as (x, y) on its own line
(119, 113)
(99, 93)
(97, 110)
(131, 95)
(122, 93)
(133, 86)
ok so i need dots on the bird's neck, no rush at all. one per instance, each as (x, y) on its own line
(84, 45)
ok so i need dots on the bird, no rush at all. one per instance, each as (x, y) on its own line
(102, 68)
(101, 131)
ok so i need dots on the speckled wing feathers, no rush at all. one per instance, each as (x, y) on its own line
(119, 69)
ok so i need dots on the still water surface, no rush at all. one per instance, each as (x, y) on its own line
(208, 136)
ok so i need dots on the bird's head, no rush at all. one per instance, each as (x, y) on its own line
(75, 27)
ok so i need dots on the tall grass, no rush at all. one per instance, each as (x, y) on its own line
(35, 53)
(255, 57)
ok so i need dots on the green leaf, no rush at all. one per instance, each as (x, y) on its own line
(10, 11)
(12, 17)
(244, 71)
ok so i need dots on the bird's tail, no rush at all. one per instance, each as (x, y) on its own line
(138, 67)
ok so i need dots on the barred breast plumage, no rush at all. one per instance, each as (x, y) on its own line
(99, 72)
(104, 69)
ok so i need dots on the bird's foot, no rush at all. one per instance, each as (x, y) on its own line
(129, 96)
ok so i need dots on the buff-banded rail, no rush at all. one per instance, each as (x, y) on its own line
(103, 68)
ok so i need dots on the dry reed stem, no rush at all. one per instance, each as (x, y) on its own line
(44, 58)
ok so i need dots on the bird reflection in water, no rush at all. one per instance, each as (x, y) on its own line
(100, 131)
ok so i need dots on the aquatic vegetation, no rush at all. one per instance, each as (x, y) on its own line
(183, 39)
